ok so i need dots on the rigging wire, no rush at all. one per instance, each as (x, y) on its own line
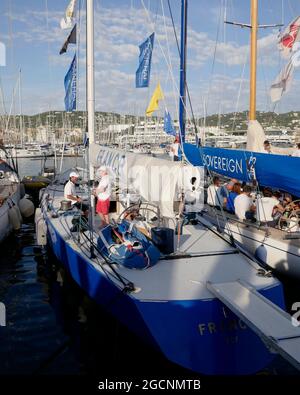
(48, 54)
(169, 56)
(186, 84)
(240, 90)
(214, 58)
(78, 39)
(163, 54)
(208, 170)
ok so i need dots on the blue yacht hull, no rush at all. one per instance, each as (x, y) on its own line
(201, 335)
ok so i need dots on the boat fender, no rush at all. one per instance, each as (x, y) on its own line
(26, 207)
(14, 218)
(2, 174)
(261, 254)
(40, 228)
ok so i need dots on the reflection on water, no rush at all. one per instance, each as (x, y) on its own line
(31, 334)
(54, 328)
(33, 167)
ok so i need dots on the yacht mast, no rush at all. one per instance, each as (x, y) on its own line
(21, 111)
(253, 60)
(182, 99)
(254, 26)
(90, 88)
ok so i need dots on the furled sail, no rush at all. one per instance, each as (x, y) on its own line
(255, 137)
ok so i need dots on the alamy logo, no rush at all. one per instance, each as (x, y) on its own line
(2, 54)
(296, 316)
(2, 314)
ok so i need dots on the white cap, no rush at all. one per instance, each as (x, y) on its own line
(74, 174)
(102, 168)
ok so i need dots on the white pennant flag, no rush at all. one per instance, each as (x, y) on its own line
(67, 21)
(282, 82)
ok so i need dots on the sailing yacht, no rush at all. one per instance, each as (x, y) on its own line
(277, 248)
(167, 281)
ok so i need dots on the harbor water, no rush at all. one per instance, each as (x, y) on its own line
(53, 328)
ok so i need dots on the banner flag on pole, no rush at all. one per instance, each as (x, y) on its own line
(70, 86)
(142, 77)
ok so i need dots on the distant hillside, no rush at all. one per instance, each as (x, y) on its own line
(230, 121)
(289, 120)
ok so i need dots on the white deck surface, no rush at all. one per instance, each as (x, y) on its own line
(185, 278)
(262, 316)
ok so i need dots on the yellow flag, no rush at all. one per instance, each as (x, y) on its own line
(153, 105)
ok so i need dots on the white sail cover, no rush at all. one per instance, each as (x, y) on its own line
(156, 180)
(255, 137)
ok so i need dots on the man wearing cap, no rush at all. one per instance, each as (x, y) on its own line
(103, 193)
(70, 192)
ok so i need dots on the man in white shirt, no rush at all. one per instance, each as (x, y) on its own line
(213, 193)
(70, 193)
(297, 152)
(103, 193)
(265, 207)
(243, 204)
(217, 193)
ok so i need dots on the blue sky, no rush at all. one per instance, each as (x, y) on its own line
(217, 70)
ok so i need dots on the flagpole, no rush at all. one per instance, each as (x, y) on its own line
(253, 60)
(90, 92)
(90, 75)
(182, 99)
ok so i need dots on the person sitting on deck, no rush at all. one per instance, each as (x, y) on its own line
(70, 194)
(243, 205)
(236, 191)
(225, 191)
(265, 207)
(215, 197)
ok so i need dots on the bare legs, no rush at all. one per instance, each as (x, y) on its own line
(104, 219)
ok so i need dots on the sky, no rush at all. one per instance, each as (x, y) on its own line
(217, 55)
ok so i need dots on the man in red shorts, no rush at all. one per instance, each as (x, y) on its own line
(103, 193)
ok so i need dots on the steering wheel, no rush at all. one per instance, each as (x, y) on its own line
(144, 212)
(290, 219)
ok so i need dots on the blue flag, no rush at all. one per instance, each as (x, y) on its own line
(168, 124)
(70, 87)
(142, 76)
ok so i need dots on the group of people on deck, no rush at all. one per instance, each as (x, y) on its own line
(240, 200)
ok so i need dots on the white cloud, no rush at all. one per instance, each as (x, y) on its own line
(118, 32)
